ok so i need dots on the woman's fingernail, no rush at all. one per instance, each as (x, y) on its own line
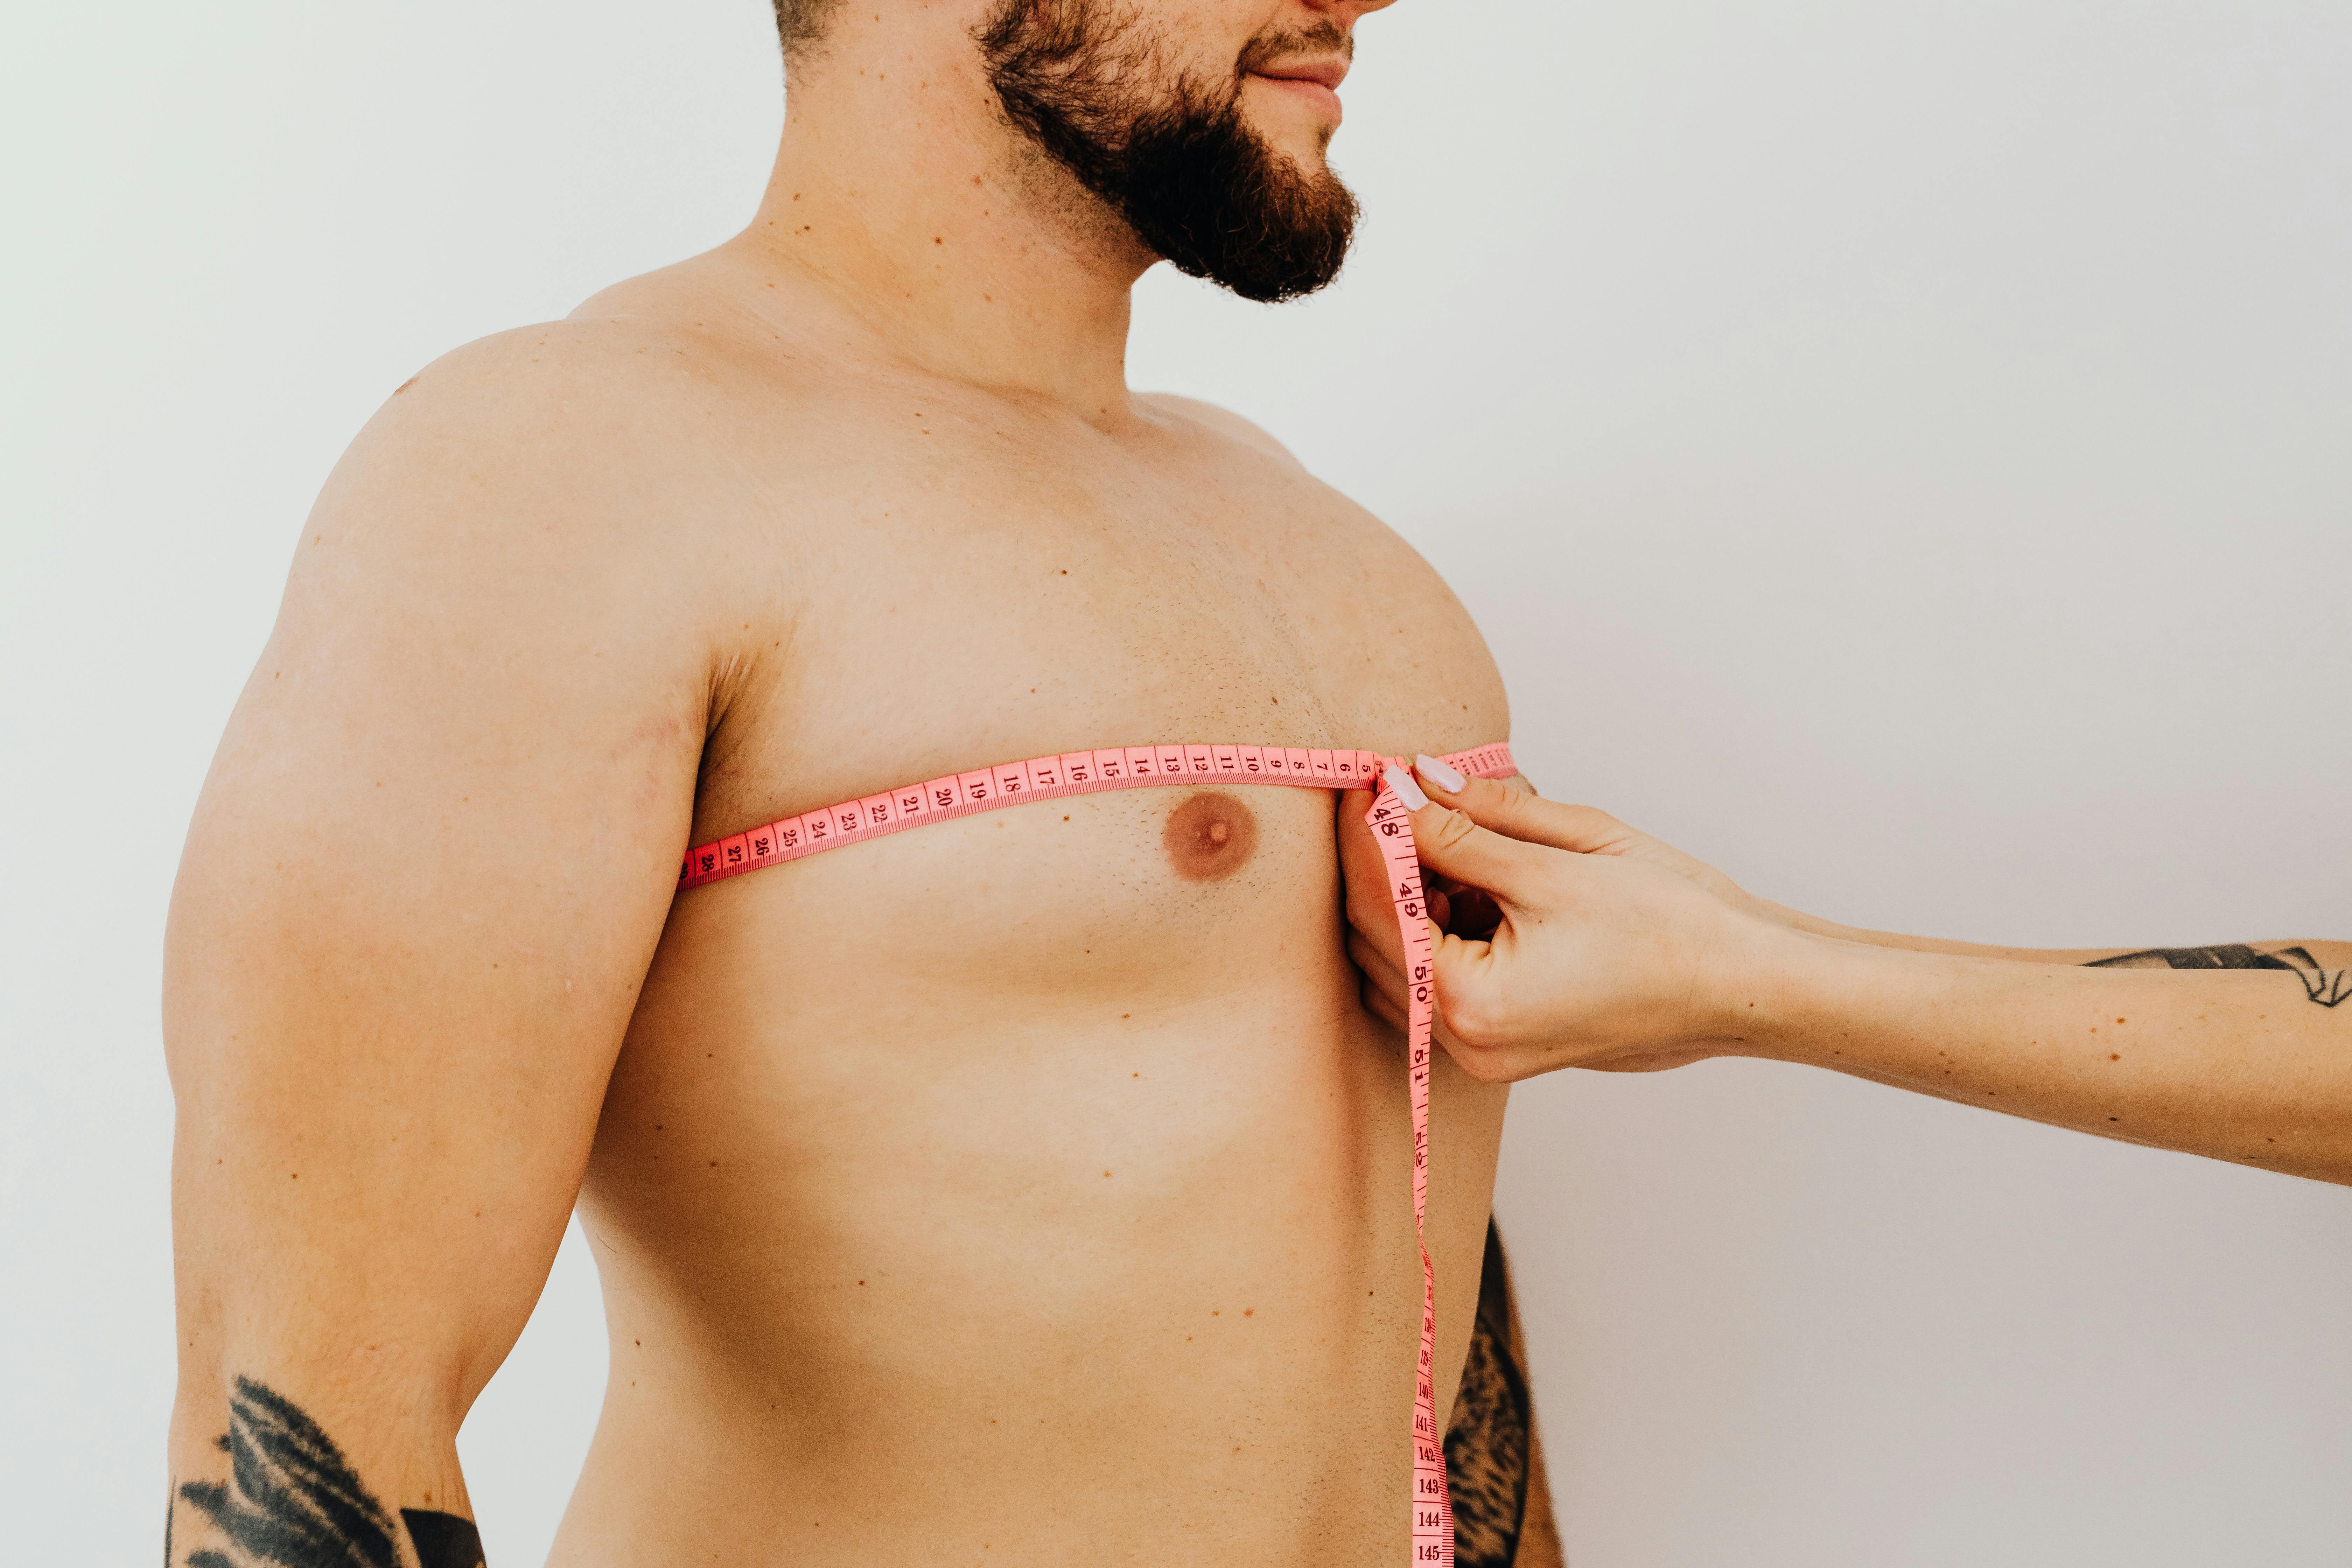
(1407, 791)
(1438, 773)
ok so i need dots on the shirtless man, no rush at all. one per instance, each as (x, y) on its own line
(1029, 1188)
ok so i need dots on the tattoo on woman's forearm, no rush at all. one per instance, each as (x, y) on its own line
(2325, 986)
(292, 1500)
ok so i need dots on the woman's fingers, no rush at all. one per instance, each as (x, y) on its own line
(1383, 986)
(1456, 847)
(1518, 814)
(1377, 1003)
(1375, 964)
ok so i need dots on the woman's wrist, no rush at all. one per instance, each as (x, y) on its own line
(1815, 999)
(1757, 983)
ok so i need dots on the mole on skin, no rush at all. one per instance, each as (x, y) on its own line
(1210, 837)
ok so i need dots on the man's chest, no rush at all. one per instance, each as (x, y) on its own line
(968, 615)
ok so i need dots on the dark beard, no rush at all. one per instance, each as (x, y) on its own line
(1199, 187)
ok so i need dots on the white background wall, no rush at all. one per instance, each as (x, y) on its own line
(1903, 453)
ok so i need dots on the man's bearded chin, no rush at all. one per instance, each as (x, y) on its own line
(1170, 153)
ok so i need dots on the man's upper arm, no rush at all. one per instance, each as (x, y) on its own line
(427, 872)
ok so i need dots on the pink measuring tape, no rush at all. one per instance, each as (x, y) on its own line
(1138, 768)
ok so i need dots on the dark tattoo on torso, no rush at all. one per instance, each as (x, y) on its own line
(2325, 986)
(1487, 1439)
(292, 1500)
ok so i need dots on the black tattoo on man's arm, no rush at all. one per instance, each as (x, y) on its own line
(292, 1500)
(2325, 986)
(443, 1539)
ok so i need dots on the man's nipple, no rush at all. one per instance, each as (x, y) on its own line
(1208, 836)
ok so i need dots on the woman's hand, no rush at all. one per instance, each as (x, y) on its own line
(1620, 953)
(1609, 950)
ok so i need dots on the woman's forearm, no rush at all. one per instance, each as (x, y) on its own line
(1616, 951)
(2286, 952)
(1813, 925)
(2248, 1065)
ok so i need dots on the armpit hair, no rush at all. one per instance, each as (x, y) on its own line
(801, 23)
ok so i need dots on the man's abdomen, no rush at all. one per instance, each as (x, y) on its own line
(997, 1190)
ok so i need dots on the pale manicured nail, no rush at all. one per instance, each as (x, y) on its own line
(1438, 773)
(1407, 791)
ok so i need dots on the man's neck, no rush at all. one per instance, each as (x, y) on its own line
(903, 194)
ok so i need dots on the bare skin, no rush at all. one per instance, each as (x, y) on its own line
(1032, 1187)
(1617, 951)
